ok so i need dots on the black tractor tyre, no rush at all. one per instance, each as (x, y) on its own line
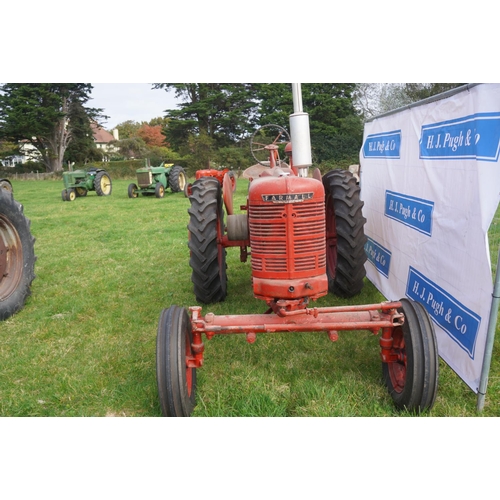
(6, 184)
(175, 380)
(206, 227)
(345, 237)
(102, 183)
(17, 256)
(159, 190)
(177, 179)
(132, 191)
(413, 380)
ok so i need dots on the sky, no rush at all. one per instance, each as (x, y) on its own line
(130, 101)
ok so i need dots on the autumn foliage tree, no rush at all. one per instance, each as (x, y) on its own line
(152, 135)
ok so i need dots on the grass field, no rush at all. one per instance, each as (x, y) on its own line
(84, 345)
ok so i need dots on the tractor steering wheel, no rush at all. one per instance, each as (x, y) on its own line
(267, 141)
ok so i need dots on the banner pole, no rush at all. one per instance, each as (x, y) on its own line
(490, 337)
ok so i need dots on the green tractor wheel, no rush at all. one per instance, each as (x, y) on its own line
(159, 190)
(132, 191)
(80, 192)
(102, 184)
(70, 194)
(64, 195)
(177, 179)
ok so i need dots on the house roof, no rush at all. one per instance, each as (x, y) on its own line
(101, 135)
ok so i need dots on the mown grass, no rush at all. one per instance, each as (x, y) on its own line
(84, 344)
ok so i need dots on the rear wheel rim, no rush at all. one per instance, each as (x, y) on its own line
(11, 258)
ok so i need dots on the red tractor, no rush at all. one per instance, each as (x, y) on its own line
(306, 236)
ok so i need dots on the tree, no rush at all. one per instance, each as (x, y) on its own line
(42, 114)
(82, 147)
(221, 111)
(335, 125)
(419, 91)
(151, 135)
(227, 114)
(133, 147)
(128, 129)
(373, 99)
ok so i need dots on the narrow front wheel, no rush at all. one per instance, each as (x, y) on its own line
(176, 381)
(412, 380)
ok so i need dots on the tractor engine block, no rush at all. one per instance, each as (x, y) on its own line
(286, 222)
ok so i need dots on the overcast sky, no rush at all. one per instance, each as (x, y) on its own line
(130, 101)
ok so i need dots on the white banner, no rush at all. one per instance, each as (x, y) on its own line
(430, 180)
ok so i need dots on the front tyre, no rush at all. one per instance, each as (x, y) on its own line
(159, 190)
(206, 228)
(132, 191)
(345, 237)
(17, 256)
(176, 381)
(412, 381)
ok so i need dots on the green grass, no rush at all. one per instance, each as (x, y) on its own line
(84, 344)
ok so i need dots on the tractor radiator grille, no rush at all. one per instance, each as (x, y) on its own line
(144, 179)
(288, 240)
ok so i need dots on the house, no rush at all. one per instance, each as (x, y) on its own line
(27, 152)
(103, 139)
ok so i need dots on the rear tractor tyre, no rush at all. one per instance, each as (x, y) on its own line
(17, 256)
(177, 179)
(413, 380)
(206, 228)
(6, 184)
(159, 190)
(102, 184)
(345, 237)
(132, 191)
(176, 381)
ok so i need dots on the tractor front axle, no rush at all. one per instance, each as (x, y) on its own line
(331, 320)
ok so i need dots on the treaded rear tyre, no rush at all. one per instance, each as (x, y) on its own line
(102, 184)
(176, 382)
(413, 380)
(177, 179)
(345, 237)
(17, 255)
(207, 256)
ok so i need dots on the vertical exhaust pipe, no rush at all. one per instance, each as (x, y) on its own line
(300, 134)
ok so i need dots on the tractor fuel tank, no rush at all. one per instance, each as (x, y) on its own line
(286, 221)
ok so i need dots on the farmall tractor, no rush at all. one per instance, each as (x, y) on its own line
(79, 182)
(17, 255)
(155, 180)
(306, 238)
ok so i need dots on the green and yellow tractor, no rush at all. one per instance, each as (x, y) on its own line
(155, 180)
(78, 183)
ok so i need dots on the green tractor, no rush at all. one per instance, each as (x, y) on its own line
(155, 180)
(79, 182)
